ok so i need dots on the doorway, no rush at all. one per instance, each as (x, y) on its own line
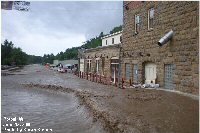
(150, 73)
(115, 69)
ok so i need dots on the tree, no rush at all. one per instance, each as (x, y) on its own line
(116, 29)
(11, 55)
(18, 56)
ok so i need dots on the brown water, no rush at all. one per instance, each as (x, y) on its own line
(44, 109)
(42, 102)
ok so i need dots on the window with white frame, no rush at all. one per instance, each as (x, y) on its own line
(150, 18)
(89, 65)
(137, 23)
(106, 42)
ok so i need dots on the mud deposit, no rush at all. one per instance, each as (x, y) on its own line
(69, 104)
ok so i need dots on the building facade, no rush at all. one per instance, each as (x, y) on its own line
(172, 65)
(111, 39)
(102, 60)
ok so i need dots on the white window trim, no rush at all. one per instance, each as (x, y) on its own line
(149, 18)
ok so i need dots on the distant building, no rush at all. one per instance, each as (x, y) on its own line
(111, 39)
(65, 62)
(103, 60)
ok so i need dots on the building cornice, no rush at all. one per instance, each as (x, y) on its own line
(116, 33)
(104, 47)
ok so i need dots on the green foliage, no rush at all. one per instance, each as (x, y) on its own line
(116, 29)
(11, 55)
(18, 56)
(71, 53)
(32, 59)
(48, 58)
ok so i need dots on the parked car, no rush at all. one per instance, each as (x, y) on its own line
(52, 66)
(67, 67)
(62, 70)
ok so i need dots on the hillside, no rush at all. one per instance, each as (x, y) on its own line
(11, 55)
(71, 53)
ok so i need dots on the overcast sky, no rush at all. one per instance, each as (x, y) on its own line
(52, 27)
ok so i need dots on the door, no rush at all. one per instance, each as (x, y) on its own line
(115, 72)
(135, 73)
(150, 73)
(168, 76)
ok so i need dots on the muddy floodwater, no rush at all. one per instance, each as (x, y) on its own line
(64, 103)
(43, 109)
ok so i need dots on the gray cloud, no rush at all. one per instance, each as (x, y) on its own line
(51, 27)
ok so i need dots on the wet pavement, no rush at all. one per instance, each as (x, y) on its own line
(96, 105)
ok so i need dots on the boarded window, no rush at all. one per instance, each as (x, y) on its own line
(150, 18)
(137, 23)
(135, 73)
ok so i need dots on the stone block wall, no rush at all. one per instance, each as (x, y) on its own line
(103, 53)
(182, 51)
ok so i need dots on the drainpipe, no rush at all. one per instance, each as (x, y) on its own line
(165, 38)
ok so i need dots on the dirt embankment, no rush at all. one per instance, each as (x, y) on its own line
(11, 70)
(137, 111)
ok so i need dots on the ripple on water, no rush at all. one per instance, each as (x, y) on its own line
(45, 109)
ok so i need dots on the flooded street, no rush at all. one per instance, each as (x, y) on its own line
(44, 109)
(67, 104)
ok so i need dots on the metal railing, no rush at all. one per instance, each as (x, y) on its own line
(93, 77)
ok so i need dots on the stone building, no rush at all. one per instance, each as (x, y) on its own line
(103, 60)
(174, 64)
